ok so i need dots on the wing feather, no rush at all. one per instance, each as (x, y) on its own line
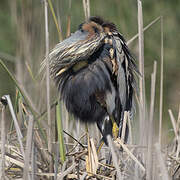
(125, 78)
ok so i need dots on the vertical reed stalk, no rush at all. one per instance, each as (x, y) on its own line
(68, 32)
(126, 114)
(55, 20)
(33, 161)
(49, 132)
(29, 139)
(151, 132)
(60, 133)
(161, 84)
(178, 141)
(161, 163)
(142, 116)
(86, 6)
(173, 121)
(59, 20)
(130, 130)
(114, 157)
(3, 141)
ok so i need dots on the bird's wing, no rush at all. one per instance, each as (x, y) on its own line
(125, 76)
(79, 46)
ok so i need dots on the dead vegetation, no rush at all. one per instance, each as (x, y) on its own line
(51, 145)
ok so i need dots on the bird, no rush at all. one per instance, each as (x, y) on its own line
(94, 72)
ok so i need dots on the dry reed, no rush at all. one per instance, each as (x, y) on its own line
(30, 152)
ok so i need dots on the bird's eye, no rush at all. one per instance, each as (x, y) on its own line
(82, 30)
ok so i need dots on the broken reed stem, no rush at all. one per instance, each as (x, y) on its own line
(151, 132)
(119, 143)
(145, 28)
(124, 125)
(160, 163)
(3, 141)
(94, 156)
(18, 131)
(49, 132)
(29, 140)
(173, 121)
(141, 79)
(33, 161)
(130, 130)
(68, 171)
(114, 157)
(178, 121)
(161, 84)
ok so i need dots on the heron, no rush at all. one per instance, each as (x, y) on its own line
(95, 75)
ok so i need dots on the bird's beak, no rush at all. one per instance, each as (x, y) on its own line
(61, 71)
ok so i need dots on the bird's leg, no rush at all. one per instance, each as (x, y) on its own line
(100, 145)
(115, 129)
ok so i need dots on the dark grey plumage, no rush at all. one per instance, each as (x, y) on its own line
(94, 72)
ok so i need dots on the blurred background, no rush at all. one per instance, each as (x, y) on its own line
(22, 43)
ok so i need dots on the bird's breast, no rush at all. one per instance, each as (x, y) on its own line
(84, 88)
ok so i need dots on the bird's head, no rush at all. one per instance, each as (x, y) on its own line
(79, 46)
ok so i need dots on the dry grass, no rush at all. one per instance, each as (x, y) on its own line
(34, 149)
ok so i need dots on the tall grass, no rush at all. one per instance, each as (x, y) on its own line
(51, 145)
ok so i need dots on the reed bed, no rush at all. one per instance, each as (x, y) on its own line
(49, 144)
